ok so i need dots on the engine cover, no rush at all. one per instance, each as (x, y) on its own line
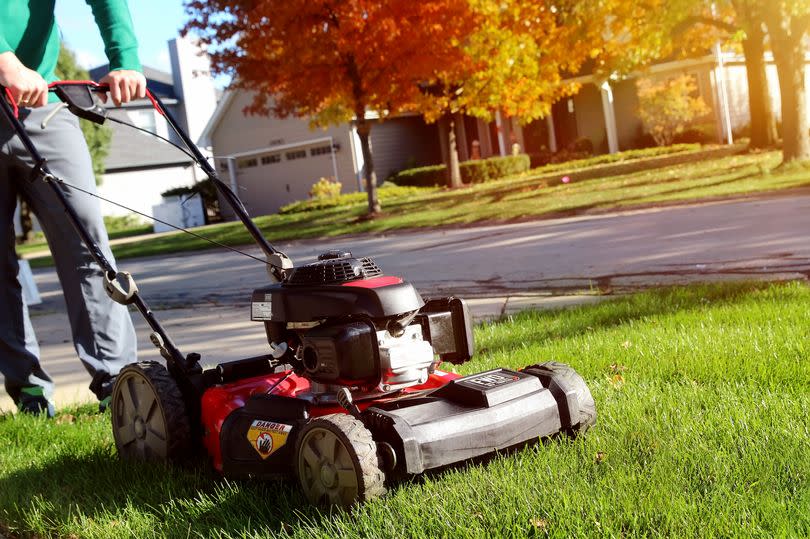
(355, 354)
(337, 285)
(379, 297)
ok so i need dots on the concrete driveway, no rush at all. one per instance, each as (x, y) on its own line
(506, 267)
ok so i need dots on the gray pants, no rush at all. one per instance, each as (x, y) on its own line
(102, 330)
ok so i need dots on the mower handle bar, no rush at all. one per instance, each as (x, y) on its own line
(226, 192)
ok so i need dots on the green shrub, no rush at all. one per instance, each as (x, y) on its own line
(478, 171)
(325, 188)
(567, 161)
(178, 191)
(207, 191)
(385, 192)
(116, 223)
(581, 145)
(421, 176)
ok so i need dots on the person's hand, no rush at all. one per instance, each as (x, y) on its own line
(125, 85)
(27, 87)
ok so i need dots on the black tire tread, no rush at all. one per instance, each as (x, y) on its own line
(372, 478)
(172, 406)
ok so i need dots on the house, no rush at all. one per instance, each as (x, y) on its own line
(139, 167)
(606, 112)
(270, 162)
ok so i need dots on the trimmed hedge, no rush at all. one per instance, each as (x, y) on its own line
(478, 171)
(385, 193)
(564, 160)
(421, 176)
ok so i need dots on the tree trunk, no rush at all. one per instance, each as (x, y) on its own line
(453, 170)
(763, 125)
(364, 131)
(787, 34)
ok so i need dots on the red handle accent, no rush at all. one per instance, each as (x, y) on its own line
(13, 103)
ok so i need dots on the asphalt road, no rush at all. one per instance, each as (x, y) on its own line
(502, 268)
(764, 238)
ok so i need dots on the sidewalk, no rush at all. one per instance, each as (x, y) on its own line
(219, 334)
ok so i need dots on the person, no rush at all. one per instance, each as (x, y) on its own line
(102, 330)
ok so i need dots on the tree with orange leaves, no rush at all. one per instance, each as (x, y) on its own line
(332, 60)
(517, 54)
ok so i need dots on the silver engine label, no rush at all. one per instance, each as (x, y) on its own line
(261, 310)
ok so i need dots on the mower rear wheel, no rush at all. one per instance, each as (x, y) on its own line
(337, 462)
(560, 378)
(148, 414)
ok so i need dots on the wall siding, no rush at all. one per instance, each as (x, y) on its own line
(400, 143)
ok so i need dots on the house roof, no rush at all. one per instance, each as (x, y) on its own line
(219, 112)
(134, 150)
(223, 105)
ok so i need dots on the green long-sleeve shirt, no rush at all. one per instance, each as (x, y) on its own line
(28, 29)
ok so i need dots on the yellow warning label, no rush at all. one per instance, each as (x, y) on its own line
(267, 437)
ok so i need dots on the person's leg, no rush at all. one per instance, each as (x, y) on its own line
(25, 381)
(103, 333)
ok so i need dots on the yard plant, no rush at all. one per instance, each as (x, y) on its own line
(703, 403)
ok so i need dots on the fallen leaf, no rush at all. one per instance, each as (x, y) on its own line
(617, 380)
(539, 523)
(65, 418)
(600, 456)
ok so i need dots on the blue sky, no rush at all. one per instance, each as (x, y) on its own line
(156, 22)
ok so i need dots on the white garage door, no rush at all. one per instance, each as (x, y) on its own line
(270, 180)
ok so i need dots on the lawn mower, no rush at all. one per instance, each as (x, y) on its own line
(350, 396)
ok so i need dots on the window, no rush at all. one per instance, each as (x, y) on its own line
(296, 154)
(247, 163)
(144, 119)
(320, 150)
(270, 159)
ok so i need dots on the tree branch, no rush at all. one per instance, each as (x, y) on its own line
(694, 20)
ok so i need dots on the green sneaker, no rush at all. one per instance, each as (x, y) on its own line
(33, 401)
(104, 404)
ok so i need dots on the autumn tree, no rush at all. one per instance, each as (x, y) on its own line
(331, 61)
(640, 33)
(788, 23)
(737, 21)
(514, 58)
(667, 107)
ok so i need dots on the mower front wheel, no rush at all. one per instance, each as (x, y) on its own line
(149, 417)
(337, 462)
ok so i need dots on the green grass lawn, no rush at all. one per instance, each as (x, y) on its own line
(537, 195)
(39, 244)
(703, 395)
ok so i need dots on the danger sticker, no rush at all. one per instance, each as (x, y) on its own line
(267, 437)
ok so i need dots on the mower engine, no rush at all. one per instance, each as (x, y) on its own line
(349, 326)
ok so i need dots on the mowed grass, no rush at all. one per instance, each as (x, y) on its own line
(703, 396)
(539, 194)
